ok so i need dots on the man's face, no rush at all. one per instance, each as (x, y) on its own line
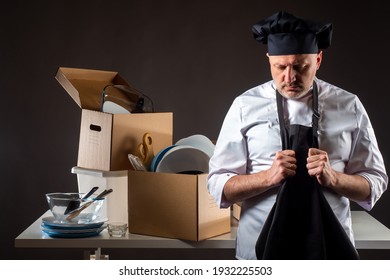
(294, 74)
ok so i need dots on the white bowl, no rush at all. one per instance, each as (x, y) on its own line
(184, 159)
(158, 157)
(200, 142)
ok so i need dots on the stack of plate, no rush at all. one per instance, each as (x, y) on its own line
(55, 229)
(189, 155)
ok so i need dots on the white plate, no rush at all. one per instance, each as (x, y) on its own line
(157, 158)
(113, 108)
(200, 142)
(53, 223)
(184, 159)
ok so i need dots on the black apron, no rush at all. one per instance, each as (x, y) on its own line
(301, 224)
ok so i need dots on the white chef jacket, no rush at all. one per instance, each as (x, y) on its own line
(250, 137)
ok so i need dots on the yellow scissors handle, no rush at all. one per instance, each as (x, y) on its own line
(145, 150)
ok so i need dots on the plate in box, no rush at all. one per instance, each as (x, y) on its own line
(181, 159)
(157, 158)
(199, 142)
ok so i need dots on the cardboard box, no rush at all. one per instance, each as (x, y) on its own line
(116, 207)
(107, 139)
(236, 210)
(116, 136)
(174, 206)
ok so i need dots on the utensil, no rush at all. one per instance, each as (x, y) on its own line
(77, 212)
(74, 204)
(145, 150)
(136, 163)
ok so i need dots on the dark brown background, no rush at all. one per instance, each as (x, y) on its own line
(191, 57)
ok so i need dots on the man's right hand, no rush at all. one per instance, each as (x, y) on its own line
(283, 166)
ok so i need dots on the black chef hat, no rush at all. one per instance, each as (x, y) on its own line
(286, 34)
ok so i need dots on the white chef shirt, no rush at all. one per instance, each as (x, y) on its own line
(250, 137)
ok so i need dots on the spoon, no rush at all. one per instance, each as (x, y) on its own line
(74, 204)
(77, 212)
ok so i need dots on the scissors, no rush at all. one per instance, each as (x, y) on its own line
(145, 150)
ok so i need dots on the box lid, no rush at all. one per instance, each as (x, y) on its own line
(86, 86)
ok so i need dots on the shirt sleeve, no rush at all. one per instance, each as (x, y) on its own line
(366, 159)
(229, 158)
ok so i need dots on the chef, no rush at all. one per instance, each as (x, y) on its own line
(294, 150)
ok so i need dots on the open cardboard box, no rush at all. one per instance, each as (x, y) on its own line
(107, 139)
(174, 206)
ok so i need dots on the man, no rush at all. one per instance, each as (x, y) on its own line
(255, 155)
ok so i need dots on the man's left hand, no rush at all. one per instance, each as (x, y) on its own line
(318, 165)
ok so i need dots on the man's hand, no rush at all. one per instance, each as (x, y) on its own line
(241, 187)
(354, 187)
(319, 166)
(283, 166)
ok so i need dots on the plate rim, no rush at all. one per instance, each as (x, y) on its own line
(72, 230)
(72, 235)
(179, 147)
(51, 221)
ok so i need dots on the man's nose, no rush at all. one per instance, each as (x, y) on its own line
(290, 74)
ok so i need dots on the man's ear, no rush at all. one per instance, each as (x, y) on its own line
(319, 59)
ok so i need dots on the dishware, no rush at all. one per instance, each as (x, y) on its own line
(114, 108)
(52, 223)
(200, 142)
(74, 204)
(117, 229)
(184, 159)
(157, 158)
(74, 214)
(136, 163)
(46, 228)
(58, 202)
(72, 233)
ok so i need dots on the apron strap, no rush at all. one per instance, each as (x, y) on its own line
(315, 118)
(283, 134)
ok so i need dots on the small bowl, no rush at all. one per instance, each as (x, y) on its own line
(117, 229)
(59, 202)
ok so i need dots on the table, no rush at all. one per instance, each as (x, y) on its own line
(369, 234)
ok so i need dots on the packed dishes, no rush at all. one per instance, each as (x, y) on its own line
(53, 228)
(75, 214)
(189, 155)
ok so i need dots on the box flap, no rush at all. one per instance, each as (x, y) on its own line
(86, 86)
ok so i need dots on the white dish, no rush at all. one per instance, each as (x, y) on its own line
(184, 159)
(200, 142)
(50, 221)
(157, 158)
(113, 108)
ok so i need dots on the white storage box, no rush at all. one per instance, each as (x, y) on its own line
(116, 207)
